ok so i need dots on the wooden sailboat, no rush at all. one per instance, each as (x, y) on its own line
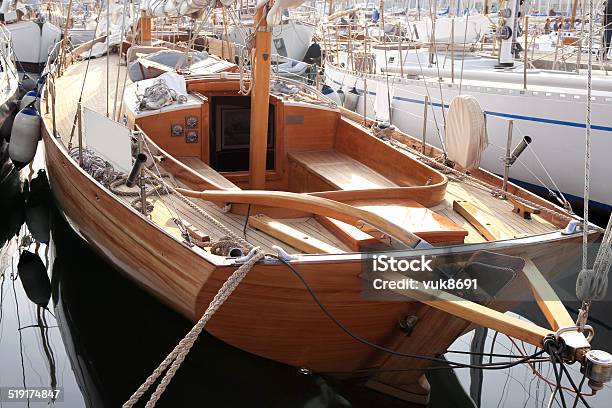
(313, 181)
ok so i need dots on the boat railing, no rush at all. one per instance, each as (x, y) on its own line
(356, 38)
(5, 40)
(312, 92)
(60, 57)
(308, 73)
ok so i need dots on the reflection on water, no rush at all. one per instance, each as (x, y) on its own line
(31, 347)
(97, 335)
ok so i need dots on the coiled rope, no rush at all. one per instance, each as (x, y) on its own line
(159, 95)
(101, 170)
(104, 173)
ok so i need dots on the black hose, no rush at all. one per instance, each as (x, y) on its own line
(490, 366)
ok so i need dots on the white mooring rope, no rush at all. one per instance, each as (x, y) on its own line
(173, 361)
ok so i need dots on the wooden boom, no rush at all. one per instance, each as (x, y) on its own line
(474, 312)
(549, 303)
(309, 204)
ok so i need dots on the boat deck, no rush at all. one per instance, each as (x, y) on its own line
(99, 97)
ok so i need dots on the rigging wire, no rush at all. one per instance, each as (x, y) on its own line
(341, 326)
(587, 144)
(540, 375)
(431, 106)
(125, 4)
(467, 20)
(125, 77)
(76, 114)
(435, 49)
(579, 388)
(108, 33)
(178, 220)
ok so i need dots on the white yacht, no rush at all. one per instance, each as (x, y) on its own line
(545, 105)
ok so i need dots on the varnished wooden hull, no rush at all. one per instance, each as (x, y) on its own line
(271, 314)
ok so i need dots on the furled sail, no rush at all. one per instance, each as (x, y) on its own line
(176, 8)
(275, 14)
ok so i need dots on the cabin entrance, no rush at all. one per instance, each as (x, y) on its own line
(230, 127)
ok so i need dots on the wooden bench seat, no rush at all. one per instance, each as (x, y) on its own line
(207, 172)
(340, 171)
(430, 226)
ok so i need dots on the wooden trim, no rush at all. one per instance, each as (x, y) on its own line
(351, 236)
(291, 236)
(309, 204)
(556, 314)
(559, 215)
(145, 29)
(477, 219)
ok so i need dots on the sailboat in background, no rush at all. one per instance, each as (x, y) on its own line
(419, 72)
(33, 37)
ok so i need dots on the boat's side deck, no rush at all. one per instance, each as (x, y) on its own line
(68, 88)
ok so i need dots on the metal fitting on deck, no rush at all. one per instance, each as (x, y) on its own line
(597, 367)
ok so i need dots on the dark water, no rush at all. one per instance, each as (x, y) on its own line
(99, 336)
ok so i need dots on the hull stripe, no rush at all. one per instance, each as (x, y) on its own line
(500, 114)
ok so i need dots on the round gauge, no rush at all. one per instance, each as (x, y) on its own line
(191, 136)
(192, 122)
(177, 130)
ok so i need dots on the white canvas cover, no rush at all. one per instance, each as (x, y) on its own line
(108, 139)
(384, 94)
(466, 136)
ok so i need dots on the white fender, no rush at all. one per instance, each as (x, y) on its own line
(28, 98)
(351, 99)
(24, 137)
(331, 94)
(465, 136)
(341, 96)
(28, 84)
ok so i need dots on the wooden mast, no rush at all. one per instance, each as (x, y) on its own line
(145, 29)
(260, 102)
(573, 17)
(66, 28)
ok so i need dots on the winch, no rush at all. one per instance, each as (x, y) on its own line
(597, 367)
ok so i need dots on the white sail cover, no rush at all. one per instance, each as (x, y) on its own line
(384, 94)
(466, 136)
(176, 8)
(275, 14)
